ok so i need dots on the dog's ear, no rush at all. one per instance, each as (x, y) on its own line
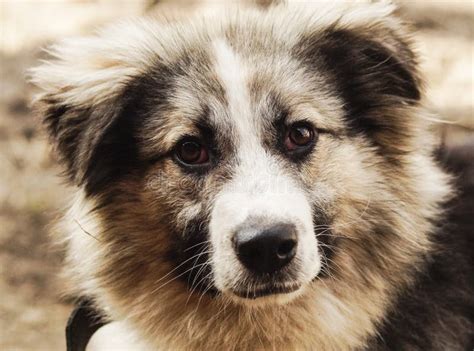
(83, 101)
(371, 66)
(370, 69)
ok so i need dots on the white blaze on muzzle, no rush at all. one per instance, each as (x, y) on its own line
(260, 196)
(257, 198)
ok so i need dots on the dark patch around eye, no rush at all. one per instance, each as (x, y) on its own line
(368, 76)
(117, 154)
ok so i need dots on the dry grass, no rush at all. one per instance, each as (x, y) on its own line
(32, 315)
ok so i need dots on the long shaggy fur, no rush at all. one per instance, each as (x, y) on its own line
(115, 103)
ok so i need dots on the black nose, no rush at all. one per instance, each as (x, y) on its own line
(267, 251)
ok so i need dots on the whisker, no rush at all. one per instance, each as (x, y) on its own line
(193, 287)
(176, 277)
(181, 264)
(204, 292)
(198, 244)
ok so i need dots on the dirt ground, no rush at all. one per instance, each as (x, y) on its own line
(32, 313)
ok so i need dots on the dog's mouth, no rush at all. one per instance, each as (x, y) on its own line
(255, 293)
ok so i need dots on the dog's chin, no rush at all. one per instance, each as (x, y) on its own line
(265, 296)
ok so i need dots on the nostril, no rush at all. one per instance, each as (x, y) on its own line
(286, 248)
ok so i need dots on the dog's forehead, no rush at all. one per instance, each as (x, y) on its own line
(238, 85)
(234, 74)
(231, 74)
(213, 85)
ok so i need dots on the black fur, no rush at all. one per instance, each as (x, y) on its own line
(97, 145)
(102, 144)
(437, 313)
(367, 75)
(190, 252)
(117, 153)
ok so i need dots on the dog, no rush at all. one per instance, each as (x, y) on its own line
(257, 179)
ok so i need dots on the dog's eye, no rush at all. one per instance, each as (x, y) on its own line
(192, 152)
(299, 137)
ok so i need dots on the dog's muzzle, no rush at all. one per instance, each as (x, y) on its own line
(263, 242)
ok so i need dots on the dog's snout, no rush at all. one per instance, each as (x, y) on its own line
(268, 250)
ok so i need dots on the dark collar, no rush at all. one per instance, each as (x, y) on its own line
(82, 324)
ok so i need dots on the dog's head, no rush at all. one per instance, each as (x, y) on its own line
(250, 156)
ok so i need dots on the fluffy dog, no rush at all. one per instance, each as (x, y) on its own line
(258, 179)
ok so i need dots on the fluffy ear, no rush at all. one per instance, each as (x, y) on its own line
(85, 93)
(372, 67)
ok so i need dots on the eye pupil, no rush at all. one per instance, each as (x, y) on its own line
(192, 152)
(299, 136)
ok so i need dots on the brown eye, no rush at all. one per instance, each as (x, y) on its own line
(299, 136)
(192, 152)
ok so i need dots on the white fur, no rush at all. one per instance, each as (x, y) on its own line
(337, 314)
(116, 336)
(259, 189)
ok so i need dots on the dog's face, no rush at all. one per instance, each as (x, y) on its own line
(249, 159)
(229, 153)
(243, 155)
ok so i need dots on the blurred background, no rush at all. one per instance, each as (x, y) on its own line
(32, 313)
